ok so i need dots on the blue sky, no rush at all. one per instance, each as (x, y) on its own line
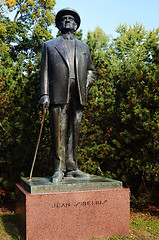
(108, 14)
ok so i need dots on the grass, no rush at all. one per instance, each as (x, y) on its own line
(144, 226)
(8, 230)
(147, 228)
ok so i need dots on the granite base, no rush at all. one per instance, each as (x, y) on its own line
(79, 215)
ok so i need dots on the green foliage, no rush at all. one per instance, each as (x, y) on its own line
(96, 126)
(120, 132)
(21, 42)
(30, 27)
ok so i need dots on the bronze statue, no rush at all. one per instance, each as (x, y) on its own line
(67, 74)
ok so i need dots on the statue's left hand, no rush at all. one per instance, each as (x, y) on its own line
(45, 101)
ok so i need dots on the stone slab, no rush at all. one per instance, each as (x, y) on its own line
(44, 184)
(79, 215)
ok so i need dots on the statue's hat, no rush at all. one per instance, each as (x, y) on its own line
(67, 11)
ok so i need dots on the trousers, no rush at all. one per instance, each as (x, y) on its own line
(65, 125)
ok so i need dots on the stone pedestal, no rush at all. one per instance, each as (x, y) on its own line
(79, 215)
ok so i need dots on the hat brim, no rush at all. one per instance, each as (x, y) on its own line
(67, 11)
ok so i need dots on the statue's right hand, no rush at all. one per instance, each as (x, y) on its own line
(45, 101)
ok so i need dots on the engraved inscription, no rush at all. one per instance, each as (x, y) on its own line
(82, 204)
(60, 205)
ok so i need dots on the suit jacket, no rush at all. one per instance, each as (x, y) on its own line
(54, 74)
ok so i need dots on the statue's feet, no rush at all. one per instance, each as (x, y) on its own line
(77, 173)
(57, 177)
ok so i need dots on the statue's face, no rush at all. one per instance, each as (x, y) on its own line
(68, 23)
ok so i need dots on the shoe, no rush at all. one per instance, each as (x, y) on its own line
(77, 173)
(57, 177)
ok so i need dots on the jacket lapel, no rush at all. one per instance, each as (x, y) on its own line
(78, 53)
(61, 49)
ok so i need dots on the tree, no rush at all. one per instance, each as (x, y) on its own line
(136, 77)
(97, 119)
(30, 27)
(120, 132)
(21, 43)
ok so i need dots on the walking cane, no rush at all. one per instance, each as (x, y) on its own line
(37, 146)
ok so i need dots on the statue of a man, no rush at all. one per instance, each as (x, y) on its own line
(67, 74)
